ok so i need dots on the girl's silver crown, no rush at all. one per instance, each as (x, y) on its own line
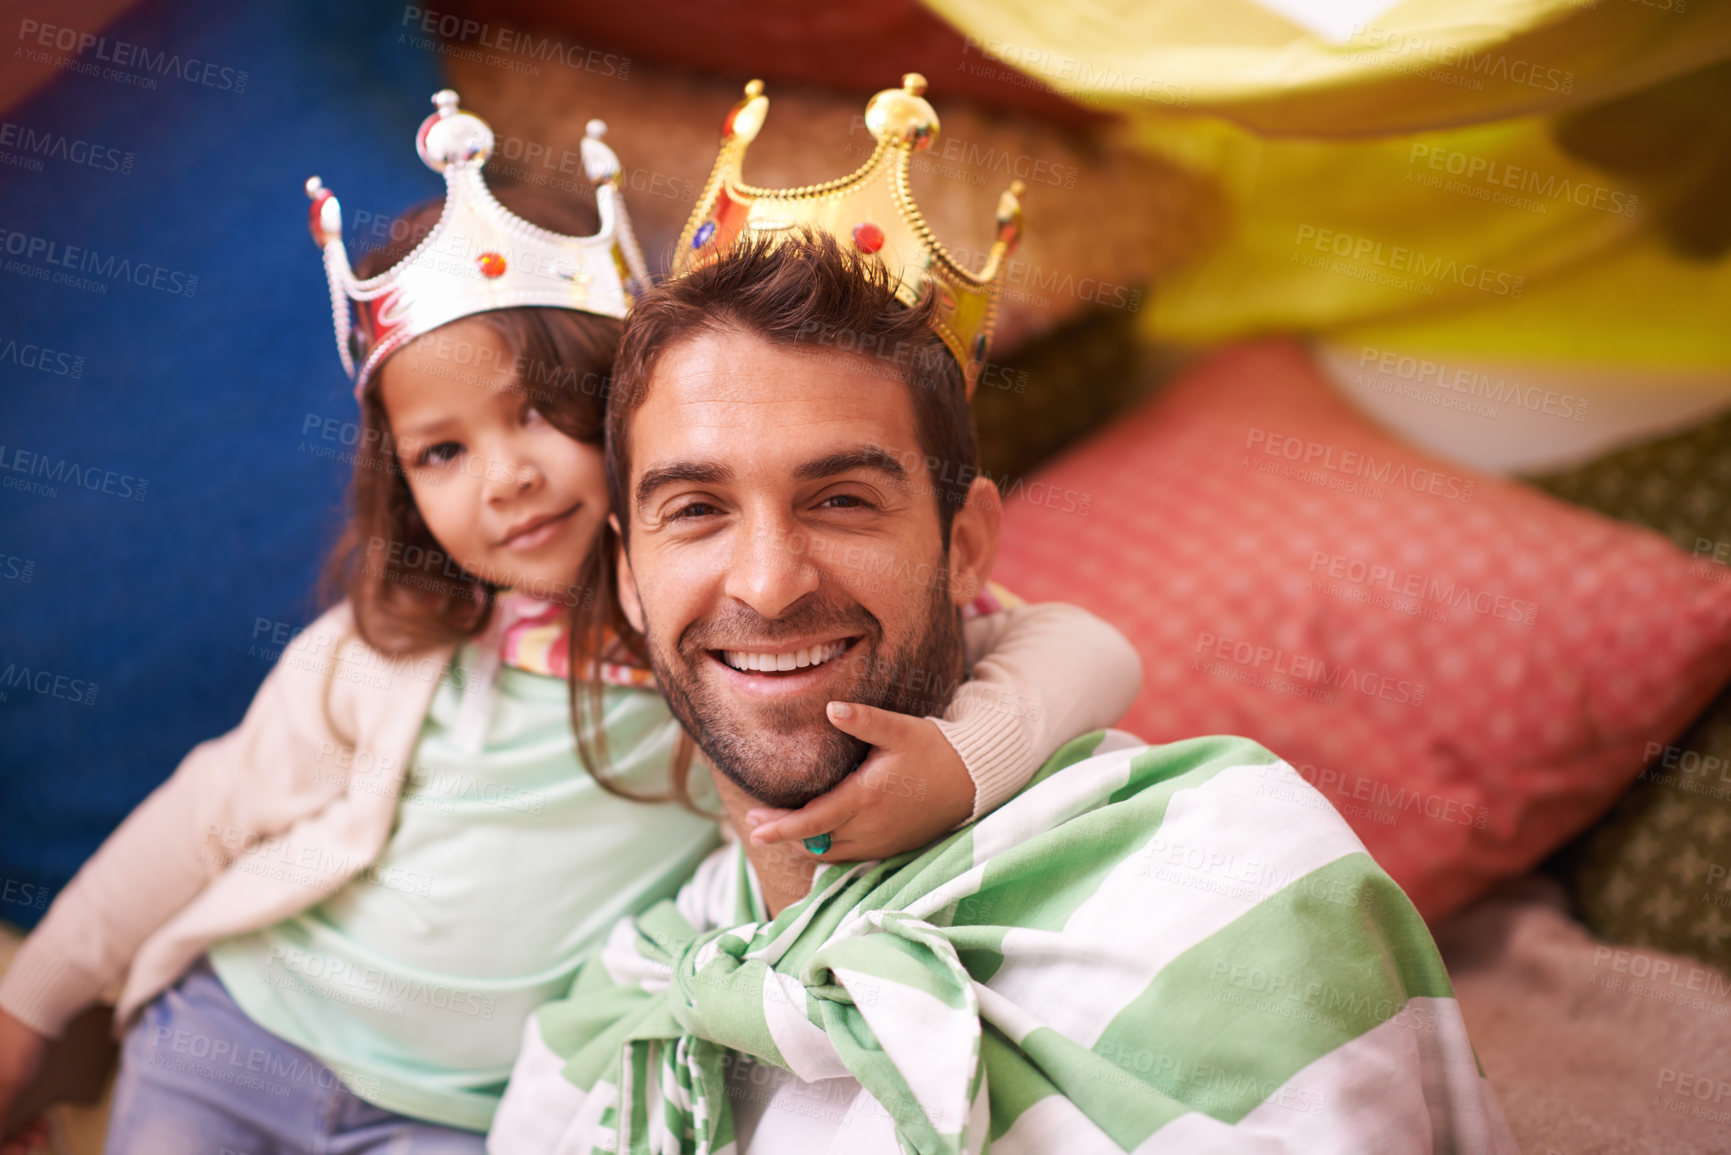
(480, 256)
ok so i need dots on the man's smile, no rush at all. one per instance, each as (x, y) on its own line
(784, 671)
(784, 658)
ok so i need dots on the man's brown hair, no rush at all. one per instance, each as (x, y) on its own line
(802, 291)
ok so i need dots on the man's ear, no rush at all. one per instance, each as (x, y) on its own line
(628, 599)
(974, 538)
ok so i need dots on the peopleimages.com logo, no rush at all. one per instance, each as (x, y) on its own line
(82, 263)
(120, 60)
(28, 355)
(32, 145)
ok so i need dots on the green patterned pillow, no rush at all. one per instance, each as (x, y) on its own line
(1656, 871)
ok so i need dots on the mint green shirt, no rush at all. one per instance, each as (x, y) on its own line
(503, 869)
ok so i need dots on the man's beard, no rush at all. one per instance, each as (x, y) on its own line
(786, 754)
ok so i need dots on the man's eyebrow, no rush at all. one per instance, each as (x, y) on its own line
(700, 472)
(869, 457)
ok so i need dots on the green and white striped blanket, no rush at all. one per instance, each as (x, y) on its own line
(1176, 948)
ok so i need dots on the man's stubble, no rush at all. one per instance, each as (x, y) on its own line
(784, 756)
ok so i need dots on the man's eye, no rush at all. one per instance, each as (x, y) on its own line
(694, 509)
(846, 501)
(441, 454)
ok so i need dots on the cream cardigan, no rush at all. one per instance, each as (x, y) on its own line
(311, 776)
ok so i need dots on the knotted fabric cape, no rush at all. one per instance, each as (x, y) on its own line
(1177, 948)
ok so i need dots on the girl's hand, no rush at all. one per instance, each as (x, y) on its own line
(910, 789)
(21, 1051)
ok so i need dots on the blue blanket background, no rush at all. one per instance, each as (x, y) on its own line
(202, 415)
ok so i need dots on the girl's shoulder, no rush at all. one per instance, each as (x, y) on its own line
(330, 666)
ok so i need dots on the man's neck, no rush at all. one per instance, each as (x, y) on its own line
(784, 872)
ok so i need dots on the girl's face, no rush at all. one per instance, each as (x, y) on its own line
(513, 500)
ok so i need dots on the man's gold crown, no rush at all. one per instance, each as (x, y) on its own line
(873, 207)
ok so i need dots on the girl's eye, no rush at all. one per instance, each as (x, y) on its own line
(531, 414)
(441, 454)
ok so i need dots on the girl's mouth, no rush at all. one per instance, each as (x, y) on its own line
(538, 531)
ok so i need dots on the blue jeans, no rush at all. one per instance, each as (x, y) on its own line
(197, 1077)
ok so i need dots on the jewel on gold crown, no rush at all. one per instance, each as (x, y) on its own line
(480, 256)
(872, 209)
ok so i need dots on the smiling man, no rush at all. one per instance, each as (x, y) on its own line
(1178, 948)
(759, 541)
(788, 546)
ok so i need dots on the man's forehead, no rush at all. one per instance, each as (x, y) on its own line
(724, 392)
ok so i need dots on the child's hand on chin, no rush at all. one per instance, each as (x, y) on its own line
(911, 789)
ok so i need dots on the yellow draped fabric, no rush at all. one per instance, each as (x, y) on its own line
(1511, 179)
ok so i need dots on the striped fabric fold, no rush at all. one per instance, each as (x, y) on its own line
(1173, 948)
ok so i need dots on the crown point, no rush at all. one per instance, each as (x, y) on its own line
(599, 161)
(902, 116)
(453, 137)
(324, 215)
(1010, 216)
(746, 118)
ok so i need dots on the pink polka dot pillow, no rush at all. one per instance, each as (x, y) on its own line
(1469, 670)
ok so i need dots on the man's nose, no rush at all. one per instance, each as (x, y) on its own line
(770, 569)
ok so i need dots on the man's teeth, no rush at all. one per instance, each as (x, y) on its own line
(810, 656)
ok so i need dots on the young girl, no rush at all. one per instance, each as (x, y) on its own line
(334, 921)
